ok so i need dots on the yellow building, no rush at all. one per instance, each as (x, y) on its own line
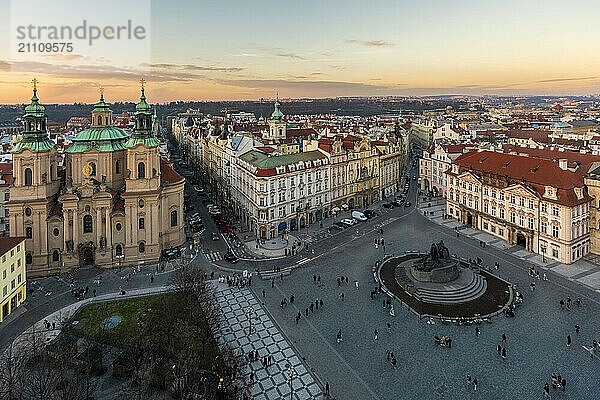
(12, 274)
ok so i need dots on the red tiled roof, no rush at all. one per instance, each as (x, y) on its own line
(582, 162)
(454, 148)
(537, 135)
(168, 175)
(7, 243)
(532, 171)
(6, 173)
(300, 132)
(265, 149)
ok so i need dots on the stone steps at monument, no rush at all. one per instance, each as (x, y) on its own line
(434, 291)
(470, 292)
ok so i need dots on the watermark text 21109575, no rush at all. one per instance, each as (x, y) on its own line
(47, 47)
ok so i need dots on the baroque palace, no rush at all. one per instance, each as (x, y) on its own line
(113, 199)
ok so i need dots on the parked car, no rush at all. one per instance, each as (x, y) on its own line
(407, 204)
(396, 203)
(357, 215)
(229, 256)
(388, 205)
(340, 225)
(370, 213)
(215, 236)
(171, 254)
(348, 221)
(335, 228)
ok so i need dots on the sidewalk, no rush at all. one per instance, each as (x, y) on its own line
(585, 271)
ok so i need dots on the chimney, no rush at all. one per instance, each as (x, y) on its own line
(562, 163)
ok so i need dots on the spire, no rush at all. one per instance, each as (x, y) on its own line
(35, 135)
(277, 114)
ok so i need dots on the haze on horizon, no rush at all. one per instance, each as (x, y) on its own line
(210, 50)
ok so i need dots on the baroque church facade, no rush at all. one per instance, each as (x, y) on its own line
(114, 202)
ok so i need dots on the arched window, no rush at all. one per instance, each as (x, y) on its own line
(93, 165)
(141, 170)
(174, 218)
(28, 177)
(142, 247)
(28, 258)
(99, 119)
(29, 232)
(141, 223)
(55, 255)
(87, 224)
(118, 167)
(119, 250)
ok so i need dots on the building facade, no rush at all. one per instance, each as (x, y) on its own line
(12, 275)
(532, 202)
(116, 200)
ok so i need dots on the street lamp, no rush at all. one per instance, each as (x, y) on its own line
(291, 374)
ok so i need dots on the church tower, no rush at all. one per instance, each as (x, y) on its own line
(35, 185)
(143, 192)
(277, 126)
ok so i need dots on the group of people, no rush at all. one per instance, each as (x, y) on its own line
(443, 341)
(391, 357)
(558, 382)
(567, 305)
(284, 301)
(236, 280)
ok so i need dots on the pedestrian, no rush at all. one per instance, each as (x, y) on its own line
(475, 384)
(504, 338)
(449, 342)
(326, 388)
(319, 279)
(477, 331)
(563, 383)
(292, 299)
(321, 303)
(387, 355)
(272, 282)
(264, 293)
(317, 304)
(562, 303)
(315, 278)
(469, 382)
(389, 327)
(338, 282)
(94, 292)
(577, 328)
(311, 307)
(499, 350)
(307, 311)
(545, 277)
(376, 334)
(504, 352)
(546, 391)
(568, 340)
(339, 336)
(356, 283)
(151, 278)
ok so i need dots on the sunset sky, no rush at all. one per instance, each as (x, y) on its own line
(213, 50)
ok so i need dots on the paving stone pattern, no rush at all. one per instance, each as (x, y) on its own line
(273, 381)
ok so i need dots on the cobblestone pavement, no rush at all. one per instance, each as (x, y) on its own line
(240, 306)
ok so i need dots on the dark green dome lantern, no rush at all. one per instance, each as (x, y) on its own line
(144, 120)
(35, 133)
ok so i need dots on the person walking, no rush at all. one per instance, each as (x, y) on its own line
(376, 334)
(568, 340)
(504, 353)
(326, 388)
(563, 383)
(469, 382)
(546, 391)
(339, 336)
(389, 327)
(477, 331)
(577, 328)
(356, 284)
(504, 338)
(475, 384)
(499, 350)
(449, 341)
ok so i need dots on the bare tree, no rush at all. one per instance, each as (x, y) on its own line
(13, 363)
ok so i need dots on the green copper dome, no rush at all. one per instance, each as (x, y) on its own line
(101, 105)
(277, 114)
(99, 138)
(35, 108)
(142, 106)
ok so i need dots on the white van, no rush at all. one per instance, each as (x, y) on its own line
(357, 215)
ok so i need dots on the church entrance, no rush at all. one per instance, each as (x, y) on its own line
(469, 219)
(88, 257)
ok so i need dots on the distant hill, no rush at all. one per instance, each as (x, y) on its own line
(361, 107)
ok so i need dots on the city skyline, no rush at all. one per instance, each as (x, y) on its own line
(210, 51)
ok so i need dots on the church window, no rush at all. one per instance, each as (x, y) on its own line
(56, 232)
(141, 170)
(28, 212)
(93, 165)
(174, 218)
(141, 223)
(99, 119)
(29, 232)
(119, 250)
(28, 177)
(55, 255)
(142, 247)
(141, 203)
(118, 167)
(28, 258)
(87, 224)
(118, 226)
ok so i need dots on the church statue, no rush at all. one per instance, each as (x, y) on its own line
(70, 246)
(102, 242)
(438, 257)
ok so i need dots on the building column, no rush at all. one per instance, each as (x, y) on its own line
(98, 225)
(75, 229)
(134, 225)
(108, 228)
(65, 228)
